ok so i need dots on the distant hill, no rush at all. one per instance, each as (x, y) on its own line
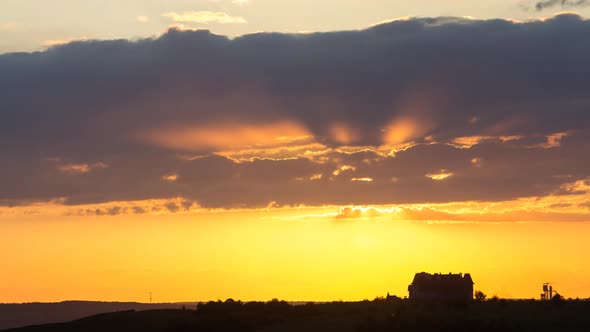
(17, 315)
(367, 316)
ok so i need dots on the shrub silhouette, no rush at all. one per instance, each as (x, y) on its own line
(480, 296)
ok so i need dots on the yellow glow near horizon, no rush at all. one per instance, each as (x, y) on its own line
(223, 136)
(361, 179)
(443, 174)
(292, 253)
(343, 133)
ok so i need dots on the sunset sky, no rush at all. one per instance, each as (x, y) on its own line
(302, 150)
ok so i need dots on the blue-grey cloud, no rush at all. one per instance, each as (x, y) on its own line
(88, 103)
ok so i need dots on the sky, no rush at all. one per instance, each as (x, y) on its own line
(31, 25)
(201, 150)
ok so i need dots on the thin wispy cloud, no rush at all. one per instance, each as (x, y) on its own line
(240, 2)
(58, 42)
(7, 26)
(204, 17)
(544, 4)
(142, 19)
(183, 27)
(80, 168)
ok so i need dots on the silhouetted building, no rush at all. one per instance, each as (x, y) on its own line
(438, 287)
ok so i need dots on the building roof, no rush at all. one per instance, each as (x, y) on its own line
(424, 278)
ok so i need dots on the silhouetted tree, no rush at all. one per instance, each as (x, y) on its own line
(480, 296)
(557, 298)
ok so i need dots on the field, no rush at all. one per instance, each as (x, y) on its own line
(378, 315)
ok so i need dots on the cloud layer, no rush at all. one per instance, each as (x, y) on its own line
(544, 4)
(204, 17)
(411, 111)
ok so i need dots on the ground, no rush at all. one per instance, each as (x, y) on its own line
(378, 315)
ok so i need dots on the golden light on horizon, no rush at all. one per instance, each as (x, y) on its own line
(343, 133)
(316, 177)
(362, 179)
(477, 162)
(172, 256)
(80, 168)
(469, 141)
(209, 161)
(222, 137)
(170, 177)
(401, 131)
(342, 169)
(442, 175)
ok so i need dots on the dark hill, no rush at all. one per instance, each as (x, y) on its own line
(378, 315)
(16, 315)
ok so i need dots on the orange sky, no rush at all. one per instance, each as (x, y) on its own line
(123, 250)
(309, 166)
(291, 253)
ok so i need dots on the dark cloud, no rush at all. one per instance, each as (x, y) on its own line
(508, 170)
(142, 207)
(349, 213)
(138, 210)
(560, 205)
(433, 214)
(428, 214)
(540, 5)
(172, 207)
(75, 117)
